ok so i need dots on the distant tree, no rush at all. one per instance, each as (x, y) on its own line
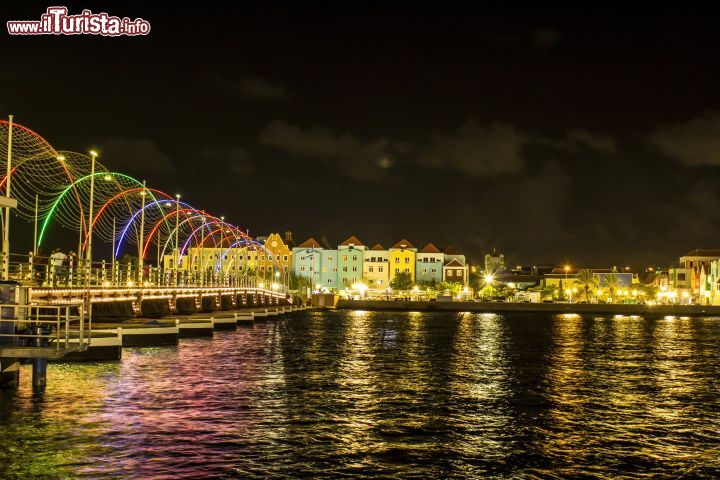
(611, 283)
(401, 281)
(298, 282)
(588, 280)
(547, 292)
(645, 291)
(476, 281)
(489, 292)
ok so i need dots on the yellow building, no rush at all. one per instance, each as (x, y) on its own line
(376, 267)
(402, 259)
(279, 250)
(236, 260)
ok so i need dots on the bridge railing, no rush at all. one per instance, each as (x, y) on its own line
(37, 331)
(45, 271)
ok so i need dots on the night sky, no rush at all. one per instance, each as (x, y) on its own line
(553, 136)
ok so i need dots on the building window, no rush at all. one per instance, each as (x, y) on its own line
(407, 260)
(407, 270)
(284, 258)
(424, 270)
(344, 258)
(324, 269)
(397, 270)
(329, 259)
(354, 258)
(380, 269)
(397, 259)
(371, 269)
(344, 269)
(433, 270)
(354, 269)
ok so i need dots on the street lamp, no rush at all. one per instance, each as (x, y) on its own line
(176, 250)
(88, 257)
(141, 259)
(6, 218)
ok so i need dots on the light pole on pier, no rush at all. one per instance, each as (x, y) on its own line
(222, 238)
(35, 227)
(176, 250)
(88, 257)
(112, 264)
(6, 226)
(143, 193)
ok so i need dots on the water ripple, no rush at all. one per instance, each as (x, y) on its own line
(390, 395)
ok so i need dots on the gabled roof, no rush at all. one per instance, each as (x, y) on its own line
(454, 263)
(430, 248)
(403, 244)
(310, 243)
(353, 240)
(451, 251)
(377, 246)
(703, 252)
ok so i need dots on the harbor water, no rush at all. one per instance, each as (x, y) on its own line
(352, 394)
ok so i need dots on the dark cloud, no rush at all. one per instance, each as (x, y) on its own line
(534, 203)
(578, 139)
(696, 213)
(356, 159)
(234, 159)
(477, 150)
(134, 155)
(692, 143)
(244, 86)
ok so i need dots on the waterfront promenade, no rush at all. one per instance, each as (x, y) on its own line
(648, 311)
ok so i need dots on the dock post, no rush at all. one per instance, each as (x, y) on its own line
(39, 374)
(39, 365)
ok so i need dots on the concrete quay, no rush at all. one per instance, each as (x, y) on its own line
(646, 311)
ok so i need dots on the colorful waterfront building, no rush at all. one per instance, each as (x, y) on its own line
(455, 271)
(429, 264)
(350, 262)
(402, 259)
(278, 250)
(684, 279)
(376, 263)
(328, 269)
(307, 260)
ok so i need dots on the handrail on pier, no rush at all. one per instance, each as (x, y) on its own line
(43, 331)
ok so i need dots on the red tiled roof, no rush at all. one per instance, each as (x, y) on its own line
(403, 244)
(377, 246)
(310, 243)
(353, 240)
(451, 251)
(430, 248)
